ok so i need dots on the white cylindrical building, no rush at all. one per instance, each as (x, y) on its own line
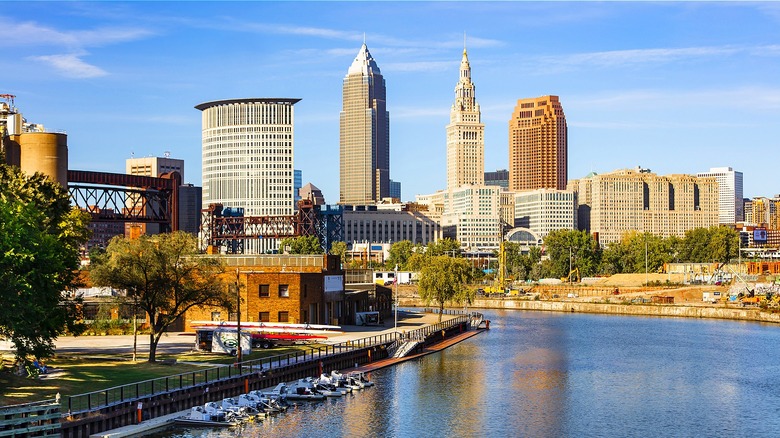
(248, 158)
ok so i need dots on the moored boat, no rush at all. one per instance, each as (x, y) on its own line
(199, 416)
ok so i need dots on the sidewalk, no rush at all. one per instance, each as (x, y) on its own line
(181, 342)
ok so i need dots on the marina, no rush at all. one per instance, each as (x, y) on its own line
(542, 374)
(428, 338)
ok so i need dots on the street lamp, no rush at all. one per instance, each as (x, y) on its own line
(395, 282)
(646, 282)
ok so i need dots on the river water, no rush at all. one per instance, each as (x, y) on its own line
(539, 374)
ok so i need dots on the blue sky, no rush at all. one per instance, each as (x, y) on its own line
(674, 87)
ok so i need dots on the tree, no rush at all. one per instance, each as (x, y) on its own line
(444, 246)
(340, 249)
(572, 248)
(301, 245)
(164, 275)
(444, 279)
(400, 252)
(40, 236)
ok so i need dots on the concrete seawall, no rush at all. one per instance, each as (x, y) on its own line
(715, 312)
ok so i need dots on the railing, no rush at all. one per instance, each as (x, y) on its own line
(31, 419)
(119, 394)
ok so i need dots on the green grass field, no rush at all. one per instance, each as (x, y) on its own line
(73, 374)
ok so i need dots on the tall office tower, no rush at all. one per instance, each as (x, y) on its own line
(538, 145)
(364, 134)
(297, 184)
(190, 205)
(465, 134)
(395, 189)
(730, 190)
(248, 158)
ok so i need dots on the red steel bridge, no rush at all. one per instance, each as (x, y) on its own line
(116, 197)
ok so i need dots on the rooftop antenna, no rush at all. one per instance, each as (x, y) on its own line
(464, 41)
(364, 37)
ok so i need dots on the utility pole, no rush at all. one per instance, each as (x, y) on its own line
(395, 281)
(646, 282)
(238, 320)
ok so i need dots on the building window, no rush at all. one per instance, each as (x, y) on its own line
(265, 291)
(264, 317)
(305, 290)
(216, 316)
(283, 316)
(284, 291)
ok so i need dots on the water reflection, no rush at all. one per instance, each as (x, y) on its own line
(557, 375)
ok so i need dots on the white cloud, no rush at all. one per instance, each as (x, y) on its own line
(30, 33)
(638, 56)
(71, 65)
(756, 98)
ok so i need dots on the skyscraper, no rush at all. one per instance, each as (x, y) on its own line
(538, 145)
(730, 192)
(248, 158)
(465, 134)
(364, 134)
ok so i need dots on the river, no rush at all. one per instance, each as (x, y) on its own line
(541, 374)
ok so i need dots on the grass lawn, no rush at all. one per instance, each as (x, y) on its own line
(73, 374)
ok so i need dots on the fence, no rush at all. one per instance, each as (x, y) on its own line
(31, 419)
(119, 394)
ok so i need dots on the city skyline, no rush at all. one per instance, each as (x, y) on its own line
(674, 87)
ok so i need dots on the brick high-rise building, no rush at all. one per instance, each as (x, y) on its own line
(364, 134)
(538, 145)
(465, 134)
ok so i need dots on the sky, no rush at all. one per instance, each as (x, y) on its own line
(676, 87)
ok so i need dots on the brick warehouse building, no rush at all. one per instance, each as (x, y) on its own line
(288, 288)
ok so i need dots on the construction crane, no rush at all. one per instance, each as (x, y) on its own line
(10, 99)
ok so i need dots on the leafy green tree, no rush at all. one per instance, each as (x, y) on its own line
(613, 258)
(444, 246)
(164, 276)
(444, 279)
(572, 248)
(707, 245)
(40, 236)
(400, 252)
(301, 245)
(340, 249)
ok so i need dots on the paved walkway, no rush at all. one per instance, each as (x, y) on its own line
(177, 342)
(439, 346)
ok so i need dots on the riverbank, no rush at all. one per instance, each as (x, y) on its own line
(717, 311)
(423, 319)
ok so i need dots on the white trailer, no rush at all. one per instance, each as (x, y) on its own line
(222, 341)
